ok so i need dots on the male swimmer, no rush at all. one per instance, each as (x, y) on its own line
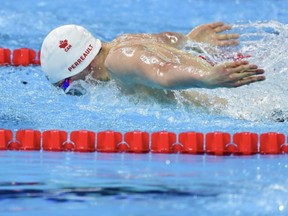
(157, 61)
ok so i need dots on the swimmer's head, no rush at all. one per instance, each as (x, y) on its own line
(66, 51)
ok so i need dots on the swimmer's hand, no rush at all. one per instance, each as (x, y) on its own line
(209, 33)
(233, 74)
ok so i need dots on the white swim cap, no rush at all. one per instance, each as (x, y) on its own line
(66, 51)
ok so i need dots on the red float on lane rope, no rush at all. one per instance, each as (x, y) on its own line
(137, 141)
(83, 140)
(107, 141)
(270, 143)
(27, 140)
(5, 56)
(219, 143)
(53, 140)
(23, 57)
(193, 142)
(246, 142)
(162, 142)
(5, 137)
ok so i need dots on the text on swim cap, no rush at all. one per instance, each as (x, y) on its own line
(81, 58)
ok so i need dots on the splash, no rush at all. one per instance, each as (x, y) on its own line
(267, 43)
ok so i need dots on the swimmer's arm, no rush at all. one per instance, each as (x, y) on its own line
(177, 77)
(149, 69)
(228, 75)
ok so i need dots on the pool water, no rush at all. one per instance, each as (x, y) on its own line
(141, 184)
(131, 184)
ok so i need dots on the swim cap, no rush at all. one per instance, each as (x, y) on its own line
(66, 51)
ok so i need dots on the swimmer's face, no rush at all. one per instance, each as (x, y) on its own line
(82, 74)
(64, 84)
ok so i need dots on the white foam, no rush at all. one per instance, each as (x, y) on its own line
(267, 44)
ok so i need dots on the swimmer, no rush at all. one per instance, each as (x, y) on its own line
(157, 61)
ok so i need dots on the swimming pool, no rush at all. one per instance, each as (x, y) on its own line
(56, 183)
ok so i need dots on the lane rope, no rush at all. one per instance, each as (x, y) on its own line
(191, 142)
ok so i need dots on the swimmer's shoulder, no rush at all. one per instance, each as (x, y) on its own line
(120, 57)
(125, 58)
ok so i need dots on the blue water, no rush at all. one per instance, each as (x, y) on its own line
(123, 184)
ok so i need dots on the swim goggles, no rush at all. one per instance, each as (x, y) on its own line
(65, 84)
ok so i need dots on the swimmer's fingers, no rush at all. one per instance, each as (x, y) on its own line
(227, 39)
(243, 75)
(227, 36)
(247, 81)
(216, 25)
(222, 28)
(234, 64)
(240, 67)
(227, 43)
(251, 72)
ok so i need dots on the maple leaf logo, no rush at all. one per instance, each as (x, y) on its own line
(63, 44)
